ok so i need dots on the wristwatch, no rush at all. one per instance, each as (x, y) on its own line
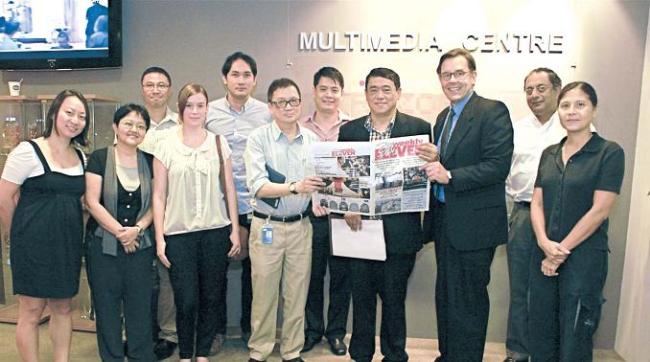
(140, 231)
(292, 188)
(449, 175)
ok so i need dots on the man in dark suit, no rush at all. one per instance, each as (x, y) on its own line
(402, 231)
(468, 218)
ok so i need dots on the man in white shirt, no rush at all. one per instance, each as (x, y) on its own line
(532, 135)
(235, 116)
(156, 90)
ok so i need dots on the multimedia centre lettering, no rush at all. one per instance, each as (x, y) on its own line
(373, 42)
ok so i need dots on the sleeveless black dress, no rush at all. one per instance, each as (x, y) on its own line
(47, 234)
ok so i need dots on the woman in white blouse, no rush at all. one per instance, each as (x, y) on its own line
(40, 206)
(196, 229)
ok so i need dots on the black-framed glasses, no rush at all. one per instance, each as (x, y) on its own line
(282, 103)
(459, 75)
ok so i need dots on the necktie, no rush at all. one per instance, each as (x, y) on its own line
(446, 131)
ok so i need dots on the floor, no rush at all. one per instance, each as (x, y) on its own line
(84, 348)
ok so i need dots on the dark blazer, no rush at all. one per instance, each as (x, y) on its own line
(403, 231)
(478, 156)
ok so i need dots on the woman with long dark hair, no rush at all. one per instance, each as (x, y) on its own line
(40, 205)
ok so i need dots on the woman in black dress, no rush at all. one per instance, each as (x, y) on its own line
(118, 241)
(40, 205)
(577, 184)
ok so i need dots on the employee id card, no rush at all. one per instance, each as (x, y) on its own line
(267, 233)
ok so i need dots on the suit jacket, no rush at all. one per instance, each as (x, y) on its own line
(403, 231)
(478, 156)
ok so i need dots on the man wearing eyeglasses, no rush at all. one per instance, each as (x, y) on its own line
(156, 83)
(468, 218)
(278, 175)
(325, 122)
(532, 135)
(156, 90)
(235, 116)
(403, 232)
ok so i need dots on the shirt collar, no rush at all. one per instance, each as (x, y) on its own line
(277, 133)
(203, 147)
(591, 146)
(243, 108)
(460, 105)
(369, 126)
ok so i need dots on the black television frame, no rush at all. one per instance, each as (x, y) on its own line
(113, 60)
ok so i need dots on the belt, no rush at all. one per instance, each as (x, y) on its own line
(290, 218)
(523, 203)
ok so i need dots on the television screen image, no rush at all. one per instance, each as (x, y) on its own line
(60, 34)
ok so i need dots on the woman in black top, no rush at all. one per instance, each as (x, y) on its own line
(118, 241)
(577, 184)
(40, 206)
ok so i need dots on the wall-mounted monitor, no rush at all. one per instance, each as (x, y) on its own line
(60, 34)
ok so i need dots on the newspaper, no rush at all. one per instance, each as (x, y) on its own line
(372, 178)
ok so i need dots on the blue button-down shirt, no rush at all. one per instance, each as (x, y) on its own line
(458, 109)
(268, 146)
(236, 127)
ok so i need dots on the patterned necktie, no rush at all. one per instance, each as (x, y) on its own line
(446, 131)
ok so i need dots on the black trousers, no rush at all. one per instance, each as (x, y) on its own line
(121, 286)
(246, 292)
(565, 310)
(462, 301)
(199, 264)
(340, 287)
(389, 279)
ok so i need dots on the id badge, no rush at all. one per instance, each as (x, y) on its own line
(267, 233)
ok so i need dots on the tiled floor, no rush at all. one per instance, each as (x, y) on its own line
(84, 349)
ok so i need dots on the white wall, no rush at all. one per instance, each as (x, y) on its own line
(634, 313)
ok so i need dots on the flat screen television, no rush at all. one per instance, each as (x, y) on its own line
(60, 34)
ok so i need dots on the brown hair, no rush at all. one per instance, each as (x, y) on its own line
(186, 92)
(471, 63)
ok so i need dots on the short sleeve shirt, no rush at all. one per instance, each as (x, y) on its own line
(568, 191)
(194, 198)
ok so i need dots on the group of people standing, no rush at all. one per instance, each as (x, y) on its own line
(231, 179)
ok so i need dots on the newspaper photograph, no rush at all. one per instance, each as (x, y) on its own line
(371, 178)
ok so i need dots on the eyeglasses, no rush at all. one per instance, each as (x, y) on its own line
(541, 88)
(459, 75)
(282, 103)
(151, 86)
(130, 125)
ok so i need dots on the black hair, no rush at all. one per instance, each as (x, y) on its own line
(50, 119)
(239, 55)
(587, 88)
(384, 73)
(156, 69)
(555, 80)
(124, 110)
(331, 73)
(281, 83)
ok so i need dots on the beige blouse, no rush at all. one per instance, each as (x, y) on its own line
(194, 198)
